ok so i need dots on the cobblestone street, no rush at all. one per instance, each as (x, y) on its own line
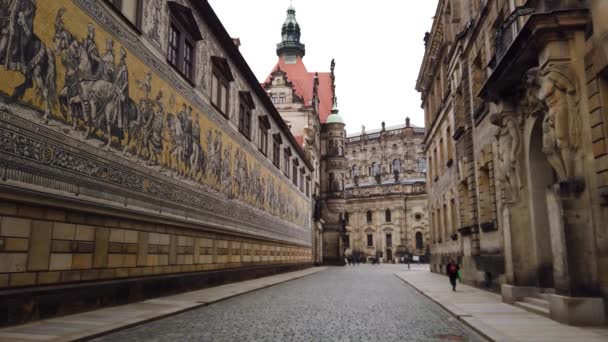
(364, 303)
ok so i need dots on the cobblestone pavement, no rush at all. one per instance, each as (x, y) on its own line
(351, 303)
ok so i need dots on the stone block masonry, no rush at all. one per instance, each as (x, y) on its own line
(44, 262)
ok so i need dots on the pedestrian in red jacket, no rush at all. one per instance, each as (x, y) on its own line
(452, 270)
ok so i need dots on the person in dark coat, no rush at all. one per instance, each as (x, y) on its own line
(452, 270)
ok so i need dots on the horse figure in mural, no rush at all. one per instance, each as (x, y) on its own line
(22, 50)
(88, 94)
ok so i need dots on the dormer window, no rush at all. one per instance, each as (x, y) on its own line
(286, 155)
(220, 84)
(183, 35)
(263, 127)
(276, 150)
(245, 107)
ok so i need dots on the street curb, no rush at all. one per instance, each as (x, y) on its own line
(91, 336)
(478, 331)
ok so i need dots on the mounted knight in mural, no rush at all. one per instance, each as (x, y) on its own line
(94, 91)
(21, 50)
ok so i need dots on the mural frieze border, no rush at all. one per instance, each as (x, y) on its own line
(50, 157)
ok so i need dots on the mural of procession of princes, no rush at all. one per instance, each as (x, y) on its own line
(94, 100)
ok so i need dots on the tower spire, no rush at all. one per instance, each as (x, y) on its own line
(290, 33)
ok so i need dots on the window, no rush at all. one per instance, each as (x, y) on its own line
(346, 217)
(370, 240)
(354, 171)
(396, 166)
(263, 126)
(245, 107)
(419, 242)
(220, 84)
(421, 164)
(286, 155)
(281, 98)
(389, 240)
(294, 173)
(173, 52)
(369, 216)
(307, 186)
(387, 215)
(130, 9)
(346, 241)
(375, 169)
(418, 217)
(276, 150)
(245, 121)
(302, 172)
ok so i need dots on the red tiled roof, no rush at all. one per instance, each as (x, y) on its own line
(299, 139)
(303, 82)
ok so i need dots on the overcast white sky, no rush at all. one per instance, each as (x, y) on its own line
(378, 46)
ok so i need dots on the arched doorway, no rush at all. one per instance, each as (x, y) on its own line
(419, 241)
(389, 255)
(541, 178)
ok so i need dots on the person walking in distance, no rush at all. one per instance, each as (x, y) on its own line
(452, 269)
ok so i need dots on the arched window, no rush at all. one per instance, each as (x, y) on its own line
(421, 164)
(387, 215)
(419, 242)
(354, 171)
(397, 165)
(369, 216)
(375, 169)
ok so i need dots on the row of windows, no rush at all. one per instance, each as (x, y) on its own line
(181, 43)
(419, 240)
(396, 167)
(441, 156)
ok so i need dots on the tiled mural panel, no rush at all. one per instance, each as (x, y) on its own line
(88, 113)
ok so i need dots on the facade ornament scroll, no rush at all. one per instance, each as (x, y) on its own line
(558, 95)
(508, 167)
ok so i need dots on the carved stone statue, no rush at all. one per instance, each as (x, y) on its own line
(509, 137)
(561, 124)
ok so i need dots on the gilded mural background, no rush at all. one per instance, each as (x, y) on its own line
(86, 85)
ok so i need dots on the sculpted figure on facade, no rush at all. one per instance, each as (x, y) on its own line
(561, 124)
(509, 137)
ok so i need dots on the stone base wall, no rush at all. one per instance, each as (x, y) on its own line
(42, 246)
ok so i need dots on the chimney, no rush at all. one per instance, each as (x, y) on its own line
(237, 42)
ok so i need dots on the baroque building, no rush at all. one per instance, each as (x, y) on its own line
(384, 208)
(307, 101)
(514, 99)
(139, 156)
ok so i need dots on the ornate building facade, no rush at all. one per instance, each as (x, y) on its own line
(305, 100)
(137, 146)
(384, 207)
(514, 97)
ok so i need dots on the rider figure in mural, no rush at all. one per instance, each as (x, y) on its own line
(16, 34)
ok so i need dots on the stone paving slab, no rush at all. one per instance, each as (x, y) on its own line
(485, 312)
(99, 322)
